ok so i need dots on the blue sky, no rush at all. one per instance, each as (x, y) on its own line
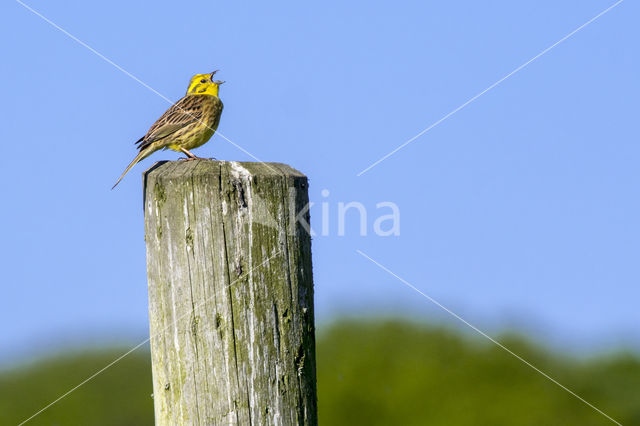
(519, 210)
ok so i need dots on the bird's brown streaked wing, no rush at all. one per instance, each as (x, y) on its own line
(181, 114)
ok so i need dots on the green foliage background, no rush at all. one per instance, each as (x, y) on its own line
(369, 373)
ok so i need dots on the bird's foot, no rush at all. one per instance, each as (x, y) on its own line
(189, 158)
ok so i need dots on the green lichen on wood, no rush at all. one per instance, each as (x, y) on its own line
(158, 194)
(230, 294)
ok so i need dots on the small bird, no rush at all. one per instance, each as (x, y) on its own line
(187, 124)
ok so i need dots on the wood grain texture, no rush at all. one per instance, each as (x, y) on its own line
(230, 294)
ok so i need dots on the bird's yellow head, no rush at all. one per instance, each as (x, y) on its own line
(204, 84)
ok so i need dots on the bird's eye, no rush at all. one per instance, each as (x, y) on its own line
(203, 81)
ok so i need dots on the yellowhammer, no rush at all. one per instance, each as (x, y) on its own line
(188, 124)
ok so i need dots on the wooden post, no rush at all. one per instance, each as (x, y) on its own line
(230, 294)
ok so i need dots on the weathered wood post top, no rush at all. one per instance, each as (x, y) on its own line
(230, 293)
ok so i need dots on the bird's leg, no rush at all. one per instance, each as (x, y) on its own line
(190, 156)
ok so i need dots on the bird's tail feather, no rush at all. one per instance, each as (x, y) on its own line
(141, 155)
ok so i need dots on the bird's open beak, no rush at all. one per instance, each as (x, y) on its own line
(218, 82)
(212, 74)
